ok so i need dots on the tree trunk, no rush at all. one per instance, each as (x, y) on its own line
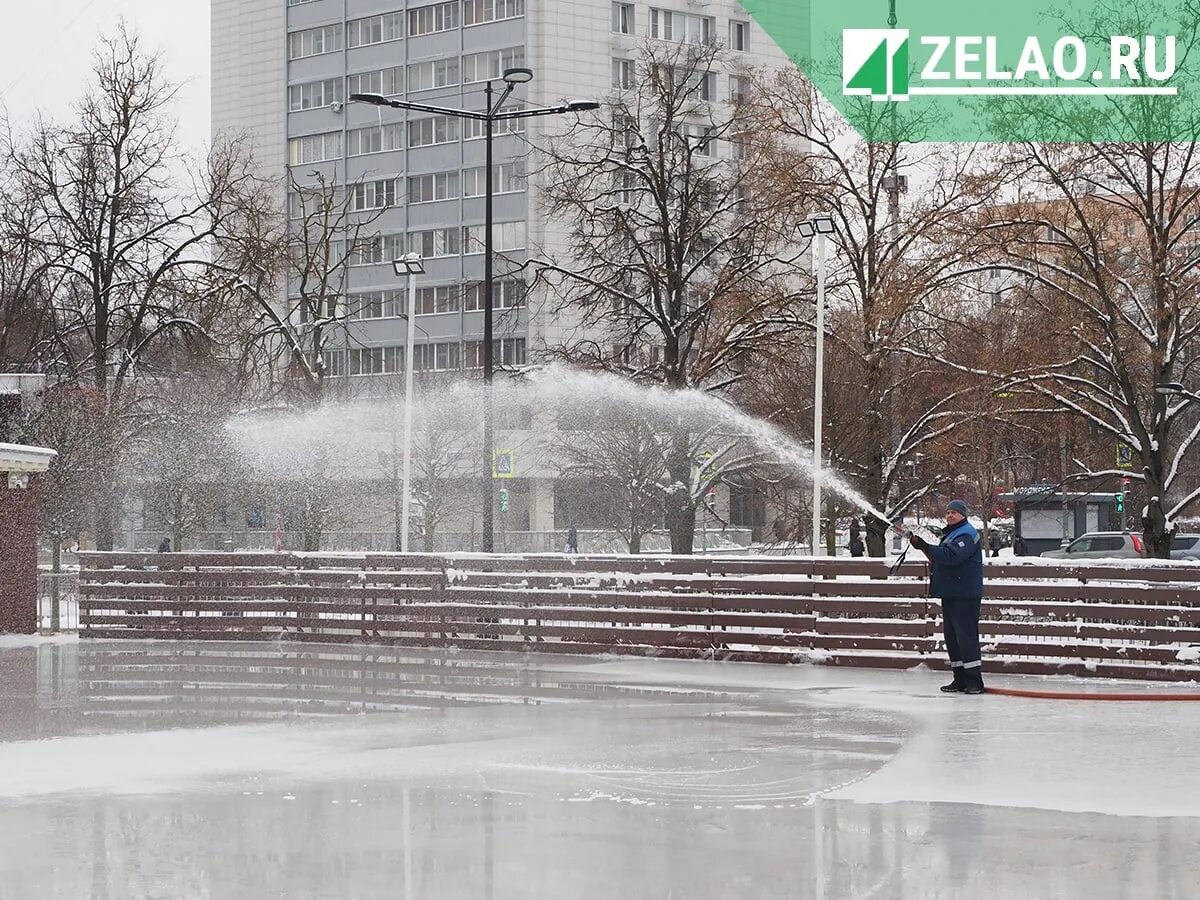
(635, 543)
(680, 510)
(1154, 524)
(830, 526)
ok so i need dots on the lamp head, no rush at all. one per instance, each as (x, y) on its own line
(582, 105)
(517, 76)
(409, 264)
(373, 99)
(1168, 388)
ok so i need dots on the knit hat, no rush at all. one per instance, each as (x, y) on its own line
(958, 506)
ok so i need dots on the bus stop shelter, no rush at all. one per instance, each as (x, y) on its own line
(1044, 516)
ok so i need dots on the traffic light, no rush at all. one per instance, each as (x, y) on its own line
(503, 499)
(1121, 502)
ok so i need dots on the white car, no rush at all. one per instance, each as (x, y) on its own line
(1101, 545)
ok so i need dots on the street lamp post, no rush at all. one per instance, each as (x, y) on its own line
(818, 227)
(491, 114)
(411, 265)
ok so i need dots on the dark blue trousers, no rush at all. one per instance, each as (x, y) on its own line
(960, 626)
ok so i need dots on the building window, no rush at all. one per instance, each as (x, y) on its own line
(622, 74)
(375, 139)
(737, 88)
(334, 362)
(437, 186)
(506, 294)
(441, 357)
(505, 236)
(507, 178)
(747, 506)
(375, 30)
(682, 27)
(702, 86)
(738, 144)
(375, 360)
(373, 194)
(505, 352)
(308, 201)
(314, 41)
(435, 73)
(698, 137)
(315, 94)
(315, 148)
(739, 35)
(491, 64)
(476, 12)
(622, 18)
(432, 19)
(433, 130)
(388, 82)
(437, 299)
(474, 128)
(434, 242)
(377, 304)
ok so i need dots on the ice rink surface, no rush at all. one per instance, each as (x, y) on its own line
(251, 771)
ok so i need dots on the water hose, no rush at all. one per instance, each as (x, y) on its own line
(1169, 696)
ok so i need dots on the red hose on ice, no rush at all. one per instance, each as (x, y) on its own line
(1083, 695)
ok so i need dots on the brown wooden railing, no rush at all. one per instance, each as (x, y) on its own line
(1106, 620)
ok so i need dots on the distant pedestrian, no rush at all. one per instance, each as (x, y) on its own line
(956, 578)
(857, 547)
(572, 540)
(164, 545)
(995, 542)
(1018, 546)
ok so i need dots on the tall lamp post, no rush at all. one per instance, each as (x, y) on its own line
(410, 265)
(490, 115)
(818, 227)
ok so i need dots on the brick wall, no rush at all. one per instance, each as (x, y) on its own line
(18, 556)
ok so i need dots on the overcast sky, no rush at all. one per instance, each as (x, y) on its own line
(48, 52)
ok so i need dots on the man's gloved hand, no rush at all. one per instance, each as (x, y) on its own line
(917, 541)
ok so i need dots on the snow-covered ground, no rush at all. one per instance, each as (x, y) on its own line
(187, 770)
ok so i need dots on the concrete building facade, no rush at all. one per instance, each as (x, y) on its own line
(282, 74)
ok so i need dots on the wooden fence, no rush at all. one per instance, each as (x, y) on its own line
(1105, 620)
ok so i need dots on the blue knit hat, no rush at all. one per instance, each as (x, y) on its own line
(958, 506)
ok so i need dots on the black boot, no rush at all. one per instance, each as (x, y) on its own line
(973, 681)
(957, 686)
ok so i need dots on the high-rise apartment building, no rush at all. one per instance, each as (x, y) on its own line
(284, 69)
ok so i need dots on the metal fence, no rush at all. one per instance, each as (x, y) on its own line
(58, 602)
(1129, 622)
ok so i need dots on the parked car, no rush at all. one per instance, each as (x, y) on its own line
(1101, 545)
(1186, 546)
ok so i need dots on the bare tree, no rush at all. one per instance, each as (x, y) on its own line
(292, 271)
(119, 242)
(896, 279)
(623, 460)
(1109, 262)
(677, 271)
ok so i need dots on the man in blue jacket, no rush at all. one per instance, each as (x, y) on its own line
(956, 578)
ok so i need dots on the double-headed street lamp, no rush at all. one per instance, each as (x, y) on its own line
(490, 115)
(410, 265)
(818, 227)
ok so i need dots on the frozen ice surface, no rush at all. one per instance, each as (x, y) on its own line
(247, 771)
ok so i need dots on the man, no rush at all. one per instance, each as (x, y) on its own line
(956, 578)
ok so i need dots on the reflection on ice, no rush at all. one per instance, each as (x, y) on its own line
(183, 770)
